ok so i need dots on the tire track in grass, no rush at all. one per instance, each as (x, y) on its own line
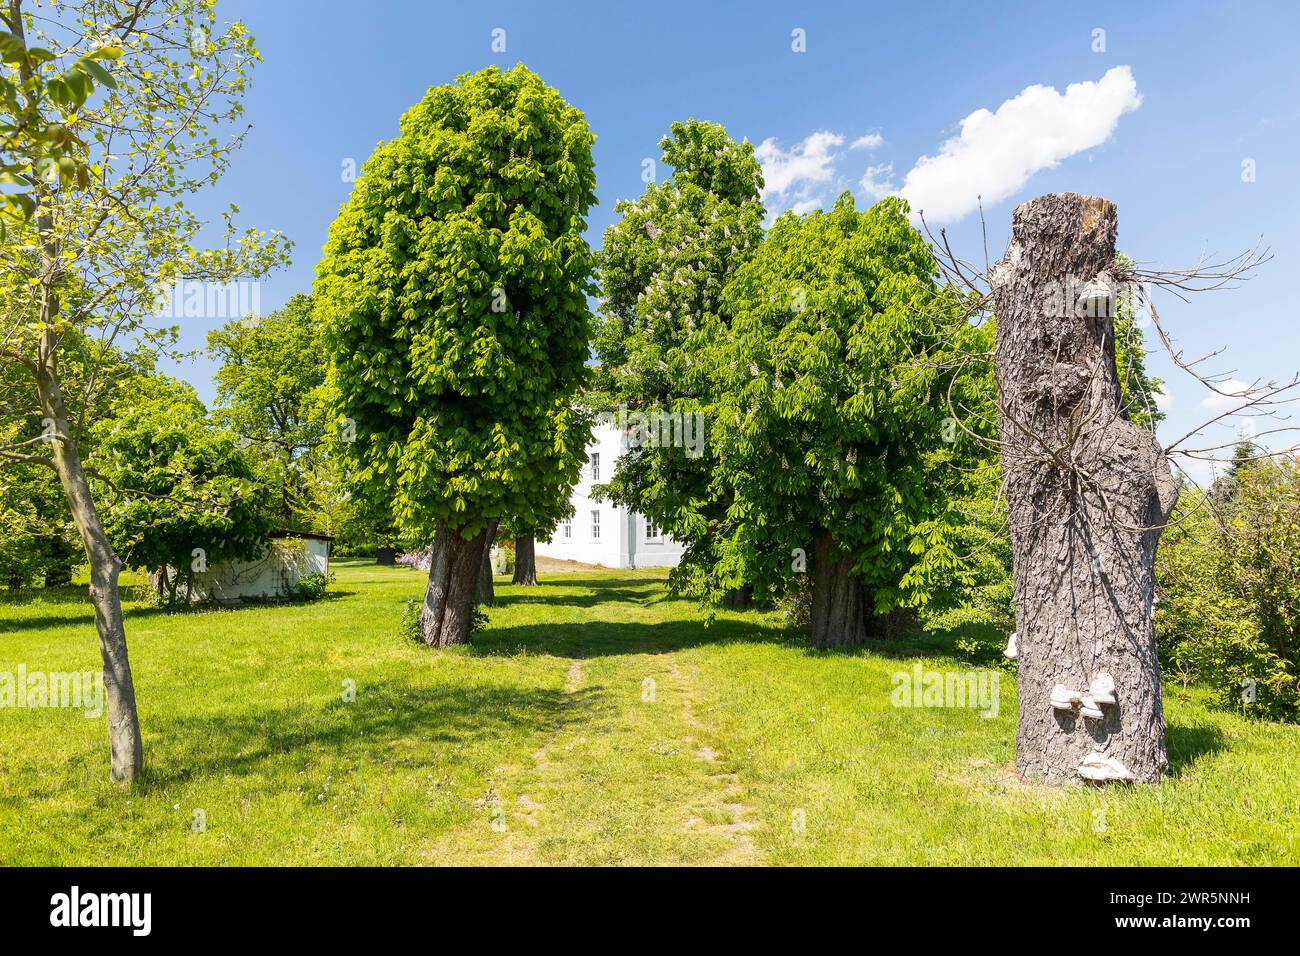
(629, 773)
(502, 831)
(720, 811)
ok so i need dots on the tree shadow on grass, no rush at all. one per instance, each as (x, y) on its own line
(393, 723)
(917, 643)
(642, 591)
(1186, 744)
(86, 618)
(589, 639)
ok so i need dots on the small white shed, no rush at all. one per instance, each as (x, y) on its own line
(290, 556)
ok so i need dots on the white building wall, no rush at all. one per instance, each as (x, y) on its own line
(622, 541)
(273, 576)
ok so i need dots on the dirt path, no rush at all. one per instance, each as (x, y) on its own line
(630, 774)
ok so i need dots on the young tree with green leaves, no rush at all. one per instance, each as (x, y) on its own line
(37, 85)
(453, 295)
(829, 399)
(271, 393)
(1229, 581)
(38, 538)
(663, 268)
(194, 498)
(90, 258)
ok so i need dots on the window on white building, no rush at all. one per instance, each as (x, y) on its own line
(566, 529)
(652, 532)
(595, 466)
(595, 526)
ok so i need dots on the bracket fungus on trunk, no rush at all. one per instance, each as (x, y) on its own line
(1087, 704)
(1065, 699)
(1102, 689)
(1100, 768)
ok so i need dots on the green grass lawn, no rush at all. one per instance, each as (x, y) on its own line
(594, 721)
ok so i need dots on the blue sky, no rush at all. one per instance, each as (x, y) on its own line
(1207, 87)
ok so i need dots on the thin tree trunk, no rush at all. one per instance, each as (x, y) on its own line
(525, 560)
(486, 592)
(126, 750)
(454, 567)
(1087, 493)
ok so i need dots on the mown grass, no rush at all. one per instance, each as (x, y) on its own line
(594, 721)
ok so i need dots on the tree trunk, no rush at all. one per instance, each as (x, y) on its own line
(739, 599)
(60, 573)
(126, 750)
(454, 567)
(843, 611)
(525, 560)
(1087, 494)
(486, 592)
(839, 606)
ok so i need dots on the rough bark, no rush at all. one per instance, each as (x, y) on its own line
(839, 605)
(525, 560)
(126, 750)
(843, 611)
(1087, 494)
(454, 568)
(486, 591)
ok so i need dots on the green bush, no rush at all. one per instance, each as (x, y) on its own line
(312, 587)
(409, 628)
(1229, 585)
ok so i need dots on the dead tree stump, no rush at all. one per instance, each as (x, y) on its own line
(1088, 493)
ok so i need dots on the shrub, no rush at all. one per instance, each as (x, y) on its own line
(1230, 588)
(409, 628)
(312, 587)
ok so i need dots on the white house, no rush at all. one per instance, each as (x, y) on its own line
(601, 532)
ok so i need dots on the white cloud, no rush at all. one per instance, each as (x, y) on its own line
(1200, 470)
(878, 181)
(806, 205)
(868, 141)
(1164, 400)
(795, 173)
(996, 153)
(1218, 403)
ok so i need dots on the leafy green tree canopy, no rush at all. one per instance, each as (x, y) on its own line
(663, 268)
(664, 264)
(829, 402)
(271, 393)
(177, 484)
(453, 295)
(270, 387)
